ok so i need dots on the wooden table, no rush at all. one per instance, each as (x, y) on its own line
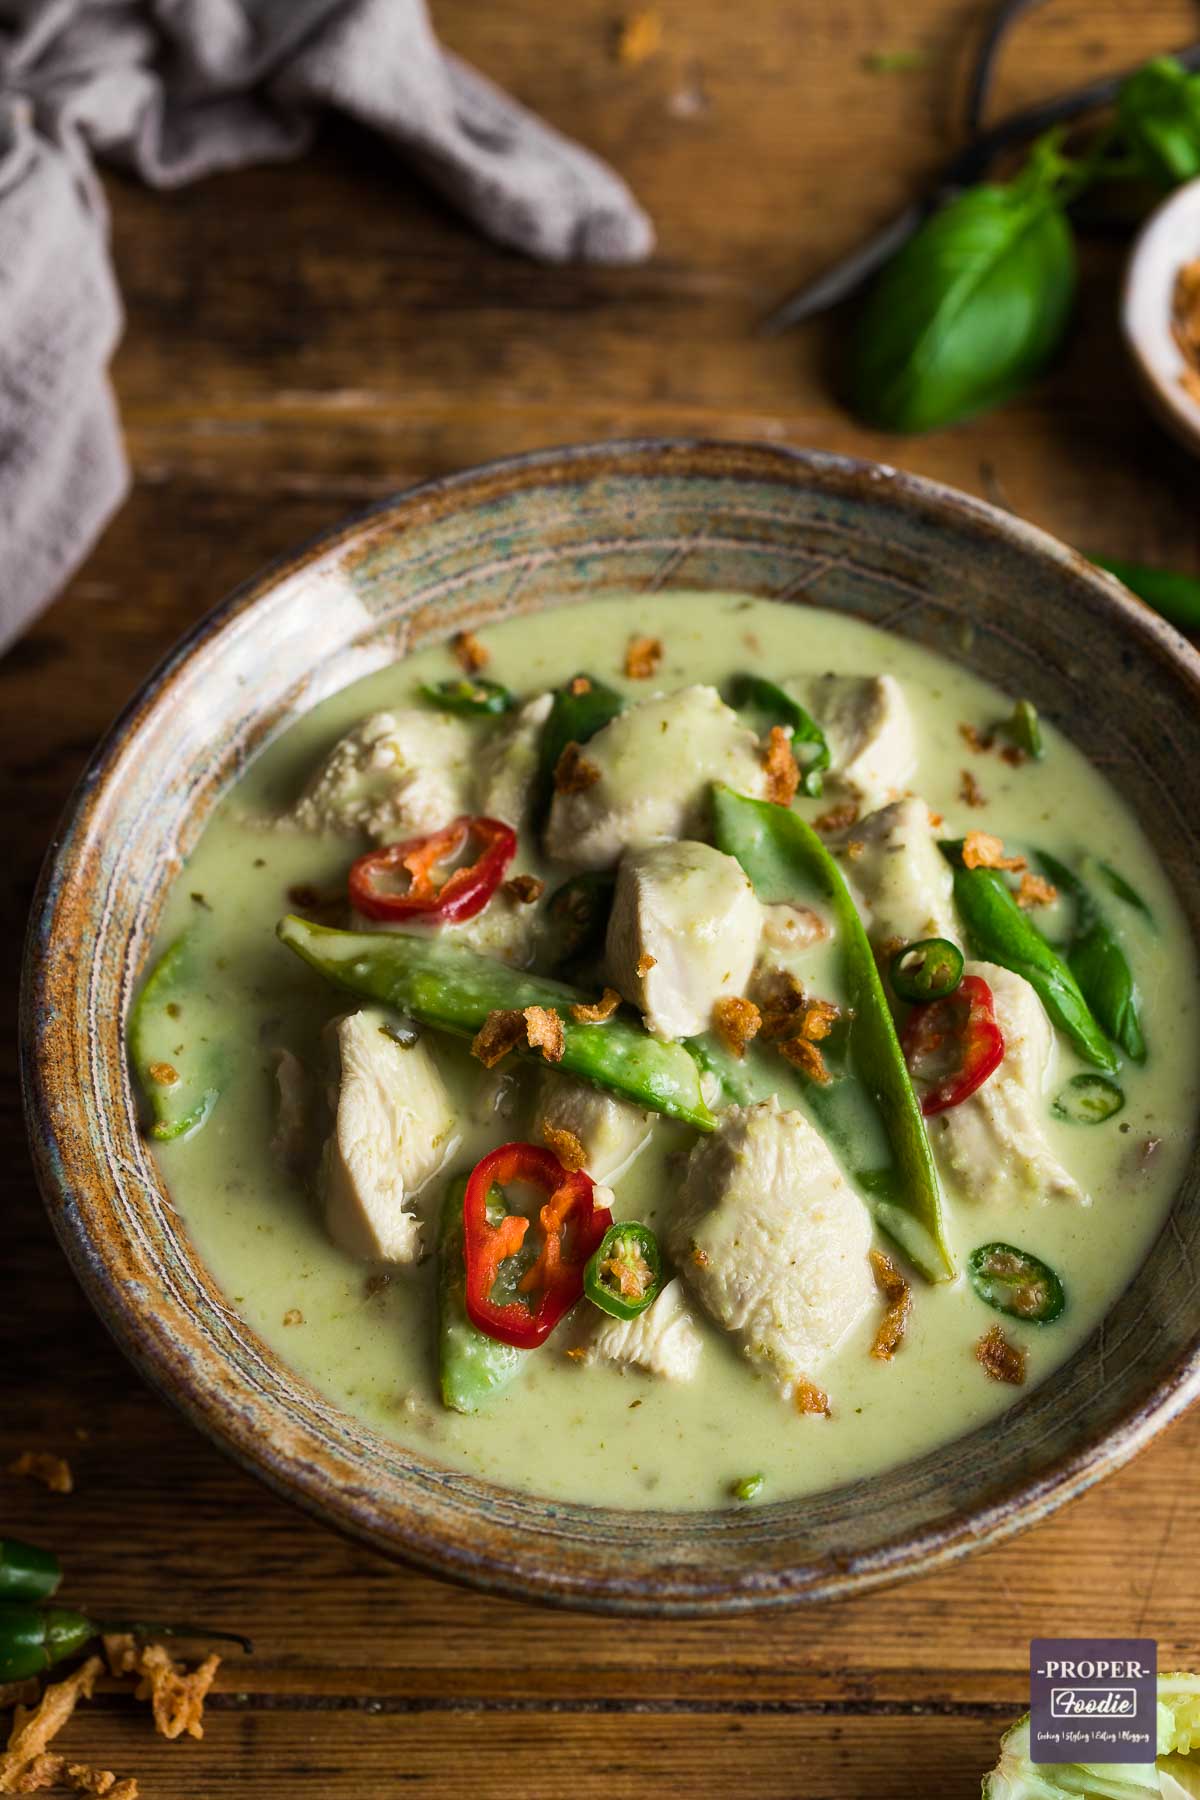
(300, 341)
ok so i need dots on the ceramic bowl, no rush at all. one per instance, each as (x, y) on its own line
(549, 530)
(1169, 238)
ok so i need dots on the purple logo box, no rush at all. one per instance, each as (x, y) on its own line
(1092, 1700)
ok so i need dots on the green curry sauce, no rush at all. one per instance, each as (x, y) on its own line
(594, 1433)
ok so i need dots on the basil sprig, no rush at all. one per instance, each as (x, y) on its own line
(1158, 111)
(978, 300)
(1000, 932)
(971, 309)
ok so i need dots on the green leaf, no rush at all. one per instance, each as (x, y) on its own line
(1175, 596)
(970, 310)
(1098, 962)
(1158, 109)
(999, 932)
(582, 707)
(754, 693)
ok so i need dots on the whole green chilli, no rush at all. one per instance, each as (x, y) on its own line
(27, 1572)
(34, 1638)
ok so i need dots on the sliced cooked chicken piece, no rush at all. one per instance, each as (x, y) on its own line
(292, 1139)
(892, 860)
(396, 775)
(394, 1129)
(773, 1240)
(664, 1340)
(994, 1143)
(609, 1131)
(506, 763)
(648, 774)
(868, 728)
(790, 928)
(683, 933)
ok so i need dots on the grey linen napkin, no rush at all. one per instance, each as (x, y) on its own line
(175, 90)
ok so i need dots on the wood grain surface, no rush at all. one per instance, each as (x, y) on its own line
(301, 340)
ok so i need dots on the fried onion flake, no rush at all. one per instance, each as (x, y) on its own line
(898, 1297)
(33, 1730)
(983, 851)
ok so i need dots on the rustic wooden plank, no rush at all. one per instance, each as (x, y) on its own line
(492, 1754)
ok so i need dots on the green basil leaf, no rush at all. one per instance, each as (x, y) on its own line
(1159, 112)
(971, 308)
(1098, 962)
(999, 932)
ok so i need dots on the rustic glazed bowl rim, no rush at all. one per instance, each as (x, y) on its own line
(303, 1481)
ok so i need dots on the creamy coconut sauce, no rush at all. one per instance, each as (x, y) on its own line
(597, 1434)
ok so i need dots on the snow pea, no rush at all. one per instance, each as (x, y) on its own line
(754, 693)
(785, 858)
(582, 706)
(1098, 962)
(472, 1366)
(179, 1073)
(1000, 932)
(454, 989)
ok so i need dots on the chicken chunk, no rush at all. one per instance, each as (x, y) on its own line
(290, 1143)
(994, 1144)
(683, 933)
(609, 1131)
(900, 874)
(507, 762)
(393, 1131)
(664, 1340)
(396, 775)
(647, 776)
(773, 1240)
(868, 728)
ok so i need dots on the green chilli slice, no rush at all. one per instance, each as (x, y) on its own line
(1089, 1100)
(1017, 1283)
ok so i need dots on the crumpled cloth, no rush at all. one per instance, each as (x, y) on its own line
(175, 90)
